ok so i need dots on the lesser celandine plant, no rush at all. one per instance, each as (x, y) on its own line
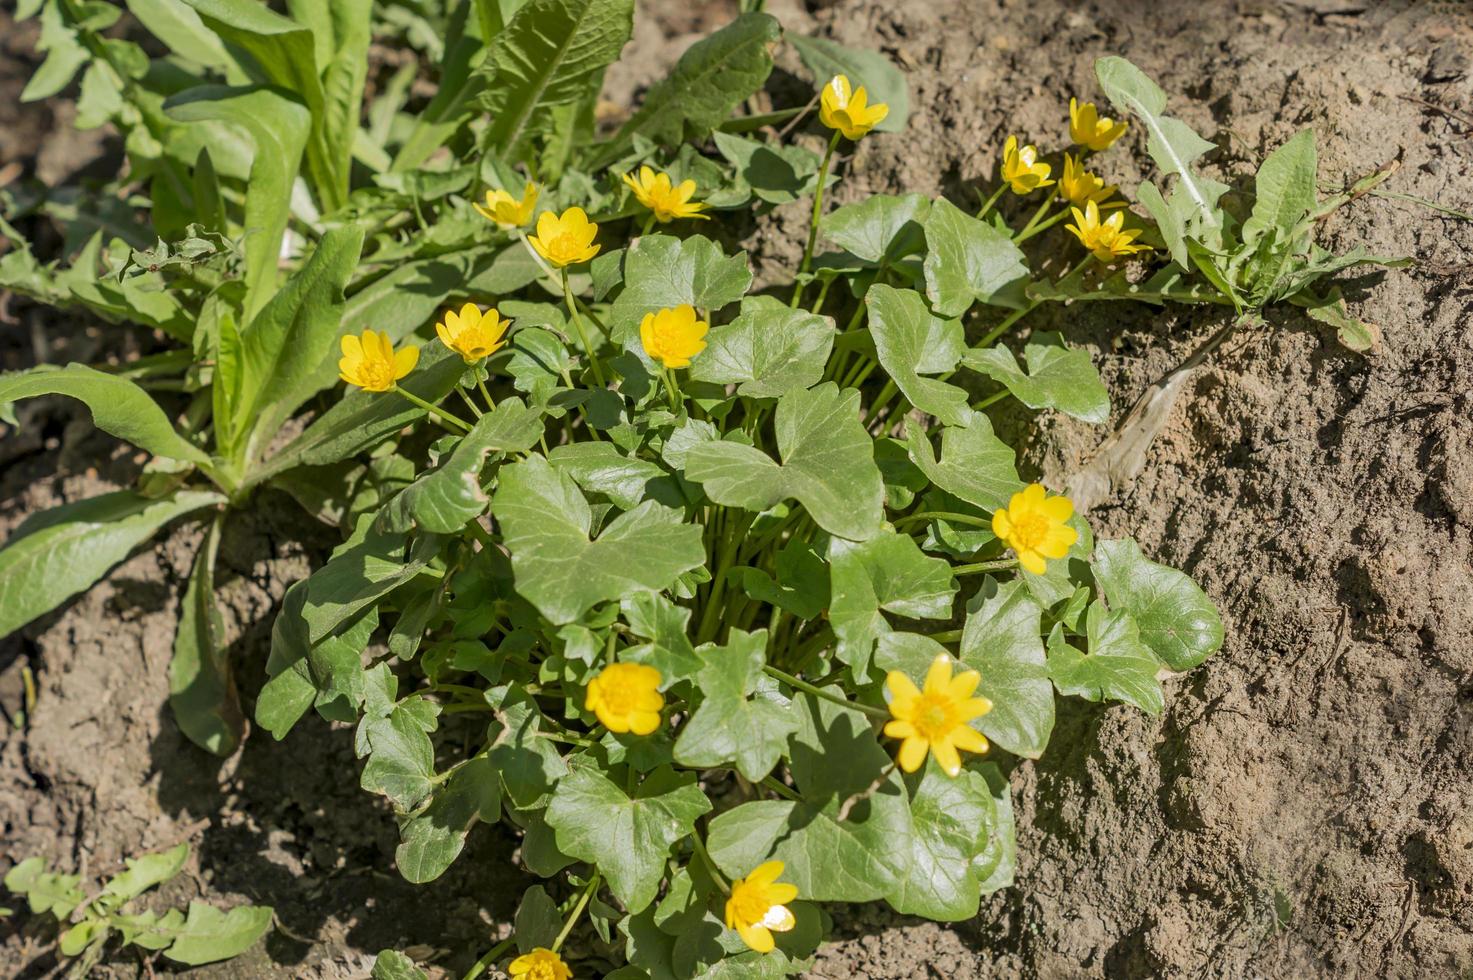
(729, 606)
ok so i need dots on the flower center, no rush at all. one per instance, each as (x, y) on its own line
(933, 718)
(1029, 530)
(564, 246)
(752, 906)
(619, 698)
(542, 970)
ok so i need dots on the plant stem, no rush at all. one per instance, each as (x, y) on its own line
(819, 692)
(984, 566)
(672, 385)
(991, 399)
(433, 409)
(577, 912)
(598, 371)
(785, 792)
(699, 847)
(475, 409)
(1007, 323)
(823, 175)
(992, 199)
(1037, 215)
(490, 957)
(1028, 233)
(944, 515)
(649, 222)
(536, 256)
(490, 402)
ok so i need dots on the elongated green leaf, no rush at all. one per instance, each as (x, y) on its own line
(628, 838)
(729, 723)
(975, 465)
(882, 80)
(881, 229)
(340, 36)
(1191, 209)
(909, 342)
(446, 498)
(118, 406)
(712, 77)
(662, 272)
(768, 350)
(549, 55)
(56, 554)
(176, 24)
(546, 525)
(828, 464)
(1284, 189)
(141, 874)
(1058, 376)
(969, 261)
(278, 128)
(1001, 639)
(293, 334)
(888, 572)
(1177, 620)
(952, 820)
(201, 687)
(209, 935)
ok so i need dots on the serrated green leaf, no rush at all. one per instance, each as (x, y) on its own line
(661, 272)
(58, 553)
(975, 465)
(118, 406)
(881, 229)
(141, 874)
(729, 723)
(890, 573)
(909, 342)
(1283, 190)
(969, 261)
(208, 935)
(1177, 621)
(546, 524)
(767, 351)
(828, 464)
(628, 838)
(44, 890)
(1058, 376)
(1001, 640)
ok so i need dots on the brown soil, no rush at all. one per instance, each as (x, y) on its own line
(1305, 805)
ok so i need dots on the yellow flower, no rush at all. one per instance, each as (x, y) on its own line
(935, 717)
(1108, 239)
(1079, 186)
(626, 698)
(1021, 169)
(565, 239)
(371, 363)
(540, 964)
(471, 333)
(673, 336)
(1035, 526)
(667, 201)
(1091, 130)
(507, 211)
(758, 906)
(848, 111)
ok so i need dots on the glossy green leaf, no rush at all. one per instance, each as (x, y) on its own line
(546, 525)
(910, 342)
(881, 229)
(828, 464)
(58, 553)
(951, 820)
(1177, 621)
(662, 272)
(433, 838)
(599, 467)
(118, 406)
(975, 465)
(767, 351)
(1058, 376)
(969, 261)
(1001, 640)
(1118, 666)
(730, 724)
(802, 584)
(888, 573)
(370, 565)
(663, 624)
(449, 496)
(209, 934)
(537, 920)
(628, 838)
